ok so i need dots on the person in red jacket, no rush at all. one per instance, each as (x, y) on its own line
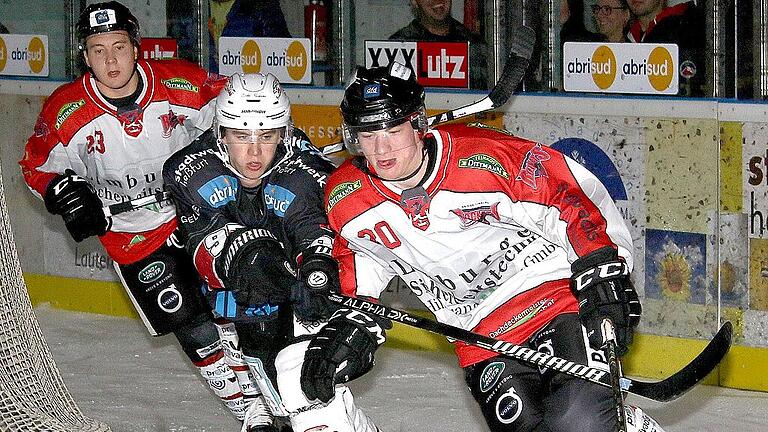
(682, 24)
(103, 139)
(493, 233)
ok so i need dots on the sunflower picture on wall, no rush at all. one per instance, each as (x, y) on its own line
(675, 266)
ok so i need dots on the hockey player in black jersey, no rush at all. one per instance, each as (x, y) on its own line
(249, 194)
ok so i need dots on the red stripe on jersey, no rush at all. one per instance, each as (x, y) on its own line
(127, 248)
(346, 260)
(519, 318)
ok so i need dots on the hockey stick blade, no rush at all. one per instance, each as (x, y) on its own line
(135, 204)
(686, 378)
(515, 67)
(514, 70)
(661, 391)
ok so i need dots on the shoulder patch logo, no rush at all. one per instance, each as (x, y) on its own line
(179, 83)
(66, 111)
(218, 191)
(342, 191)
(484, 162)
(278, 199)
(532, 167)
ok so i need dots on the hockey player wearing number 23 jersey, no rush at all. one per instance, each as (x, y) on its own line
(103, 139)
(494, 234)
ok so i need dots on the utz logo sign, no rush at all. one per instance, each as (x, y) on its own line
(278, 199)
(443, 64)
(219, 191)
(152, 272)
(371, 91)
(436, 64)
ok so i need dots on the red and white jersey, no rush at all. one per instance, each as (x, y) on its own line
(122, 154)
(489, 246)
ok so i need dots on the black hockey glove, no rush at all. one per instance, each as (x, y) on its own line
(75, 199)
(255, 268)
(601, 284)
(350, 339)
(319, 276)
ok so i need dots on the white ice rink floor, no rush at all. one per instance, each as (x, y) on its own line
(120, 375)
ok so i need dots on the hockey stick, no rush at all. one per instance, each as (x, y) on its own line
(514, 70)
(662, 391)
(614, 368)
(135, 204)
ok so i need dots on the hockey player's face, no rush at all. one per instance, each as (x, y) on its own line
(251, 152)
(112, 58)
(394, 152)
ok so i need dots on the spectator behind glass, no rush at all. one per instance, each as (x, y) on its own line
(681, 24)
(244, 18)
(572, 23)
(612, 19)
(433, 23)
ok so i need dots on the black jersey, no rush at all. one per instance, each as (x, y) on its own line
(211, 202)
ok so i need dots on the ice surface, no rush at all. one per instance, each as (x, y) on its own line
(120, 375)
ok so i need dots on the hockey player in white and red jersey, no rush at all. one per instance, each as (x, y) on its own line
(494, 234)
(103, 139)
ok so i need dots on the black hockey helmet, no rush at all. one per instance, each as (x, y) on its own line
(380, 98)
(104, 18)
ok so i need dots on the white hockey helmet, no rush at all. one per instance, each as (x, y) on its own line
(253, 102)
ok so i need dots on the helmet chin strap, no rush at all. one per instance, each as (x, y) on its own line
(427, 154)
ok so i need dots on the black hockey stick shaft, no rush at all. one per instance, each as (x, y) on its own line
(513, 73)
(135, 204)
(662, 391)
(614, 368)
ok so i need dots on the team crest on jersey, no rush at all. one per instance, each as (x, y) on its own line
(66, 111)
(473, 215)
(132, 121)
(415, 202)
(532, 167)
(180, 84)
(484, 162)
(170, 121)
(41, 128)
(342, 191)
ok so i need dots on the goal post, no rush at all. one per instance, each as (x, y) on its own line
(33, 396)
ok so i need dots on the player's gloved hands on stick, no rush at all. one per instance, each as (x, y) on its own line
(350, 337)
(318, 276)
(256, 268)
(75, 199)
(602, 286)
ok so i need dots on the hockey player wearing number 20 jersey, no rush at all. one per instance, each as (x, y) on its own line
(494, 234)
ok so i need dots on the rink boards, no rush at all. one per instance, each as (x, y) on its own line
(689, 176)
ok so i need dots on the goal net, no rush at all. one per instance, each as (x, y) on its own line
(33, 396)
